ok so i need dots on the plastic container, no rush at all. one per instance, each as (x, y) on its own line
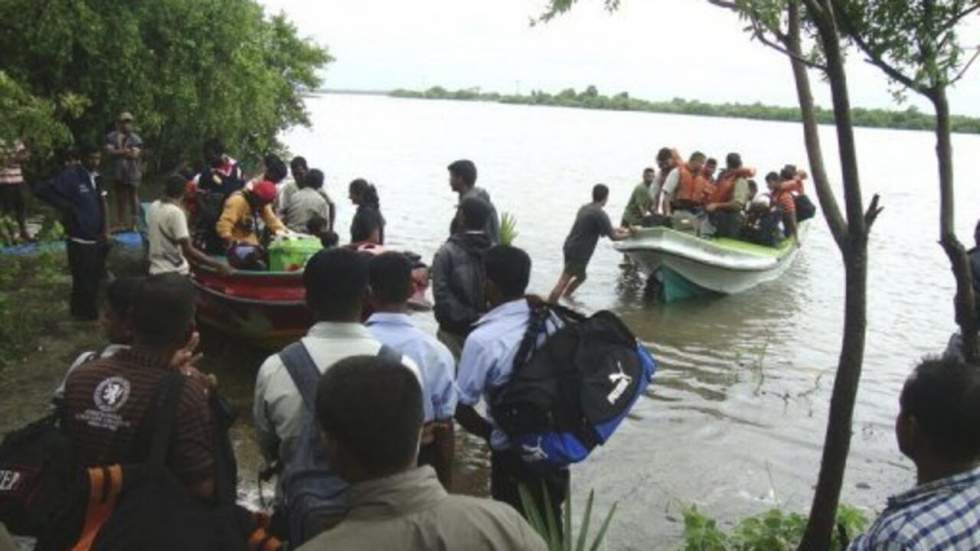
(290, 253)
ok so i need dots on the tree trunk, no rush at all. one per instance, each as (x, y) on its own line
(811, 132)
(837, 440)
(962, 270)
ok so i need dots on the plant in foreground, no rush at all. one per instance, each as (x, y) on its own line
(770, 531)
(508, 229)
(545, 523)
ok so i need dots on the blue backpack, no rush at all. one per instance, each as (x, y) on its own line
(313, 494)
(570, 394)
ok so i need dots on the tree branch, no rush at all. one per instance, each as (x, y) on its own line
(759, 32)
(870, 55)
(872, 213)
(966, 67)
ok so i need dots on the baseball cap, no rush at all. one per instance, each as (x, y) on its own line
(265, 191)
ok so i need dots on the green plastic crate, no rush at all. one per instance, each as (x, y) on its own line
(290, 253)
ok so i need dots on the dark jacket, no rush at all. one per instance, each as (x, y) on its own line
(79, 201)
(457, 282)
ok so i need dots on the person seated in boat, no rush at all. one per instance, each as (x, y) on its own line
(728, 198)
(684, 187)
(239, 222)
(170, 246)
(783, 201)
(220, 177)
(640, 204)
(299, 169)
(665, 165)
(710, 168)
(306, 203)
(368, 225)
(591, 223)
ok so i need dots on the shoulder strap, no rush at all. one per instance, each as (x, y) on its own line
(303, 370)
(165, 417)
(389, 353)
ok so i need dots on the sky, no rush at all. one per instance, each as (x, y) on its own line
(653, 49)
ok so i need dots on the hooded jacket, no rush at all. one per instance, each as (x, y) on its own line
(457, 281)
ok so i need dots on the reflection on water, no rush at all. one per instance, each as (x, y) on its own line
(735, 419)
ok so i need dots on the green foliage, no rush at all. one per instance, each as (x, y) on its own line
(546, 525)
(770, 531)
(909, 119)
(508, 229)
(27, 115)
(27, 285)
(918, 40)
(187, 69)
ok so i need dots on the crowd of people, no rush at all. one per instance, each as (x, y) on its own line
(356, 419)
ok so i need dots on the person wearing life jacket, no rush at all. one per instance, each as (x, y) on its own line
(728, 197)
(684, 186)
(783, 200)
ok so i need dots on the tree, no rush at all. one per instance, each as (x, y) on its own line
(188, 69)
(917, 46)
(780, 24)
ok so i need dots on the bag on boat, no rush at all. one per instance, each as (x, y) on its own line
(805, 209)
(571, 393)
(313, 496)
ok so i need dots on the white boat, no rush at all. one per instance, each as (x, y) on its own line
(686, 265)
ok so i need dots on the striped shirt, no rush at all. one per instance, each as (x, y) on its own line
(10, 173)
(940, 515)
(106, 401)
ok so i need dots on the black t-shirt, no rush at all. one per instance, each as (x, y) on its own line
(366, 220)
(591, 223)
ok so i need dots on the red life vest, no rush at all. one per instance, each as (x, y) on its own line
(690, 186)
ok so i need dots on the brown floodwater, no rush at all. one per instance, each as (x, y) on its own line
(735, 418)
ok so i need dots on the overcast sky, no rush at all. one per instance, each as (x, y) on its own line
(654, 49)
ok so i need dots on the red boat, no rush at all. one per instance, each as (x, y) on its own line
(268, 309)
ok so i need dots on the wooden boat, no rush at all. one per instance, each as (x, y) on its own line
(686, 265)
(267, 310)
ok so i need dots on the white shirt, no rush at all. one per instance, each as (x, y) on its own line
(301, 206)
(278, 405)
(488, 357)
(670, 184)
(166, 226)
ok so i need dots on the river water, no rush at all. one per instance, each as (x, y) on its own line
(735, 419)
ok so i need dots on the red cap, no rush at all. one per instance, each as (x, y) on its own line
(264, 191)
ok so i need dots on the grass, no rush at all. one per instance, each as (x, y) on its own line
(546, 525)
(32, 301)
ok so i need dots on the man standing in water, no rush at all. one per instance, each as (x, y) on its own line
(591, 223)
(938, 428)
(462, 180)
(124, 148)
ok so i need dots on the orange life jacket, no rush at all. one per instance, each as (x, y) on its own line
(690, 187)
(726, 184)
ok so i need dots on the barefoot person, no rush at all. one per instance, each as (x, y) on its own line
(591, 223)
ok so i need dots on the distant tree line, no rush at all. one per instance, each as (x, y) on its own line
(590, 98)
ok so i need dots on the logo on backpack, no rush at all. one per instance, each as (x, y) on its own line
(9, 480)
(622, 382)
(535, 453)
(111, 394)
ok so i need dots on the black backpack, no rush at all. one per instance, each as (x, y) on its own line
(41, 484)
(805, 209)
(155, 511)
(571, 393)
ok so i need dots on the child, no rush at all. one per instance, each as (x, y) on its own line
(319, 226)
